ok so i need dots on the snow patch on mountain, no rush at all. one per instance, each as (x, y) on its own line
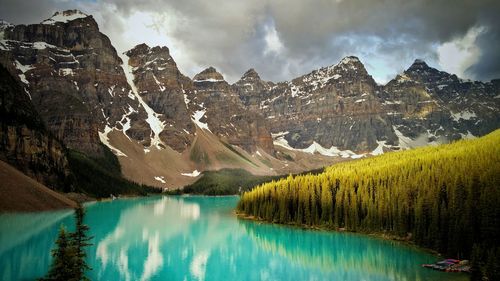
(332, 151)
(208, 80)
(110, 90)
(65, 16)
(23, 68)
(40, 45)
(380, 148)
(126, 121)
(162, 88)
(186, 100)
(465, 115)
(153, 118)
(160, 179)
(197, 115)
(193, 174)
(279, 140)
(103, 136)
(66, 72)
(404, 141)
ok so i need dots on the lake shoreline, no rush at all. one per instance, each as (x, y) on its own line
(383, 236)
(191, 230)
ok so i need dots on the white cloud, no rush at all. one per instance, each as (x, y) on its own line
(458, 55)
(283, 39)
(273, 42)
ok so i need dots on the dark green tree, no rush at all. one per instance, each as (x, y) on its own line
(63, 259)
(79, 241)
(69, 254)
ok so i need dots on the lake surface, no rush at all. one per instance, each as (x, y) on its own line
(199, 238)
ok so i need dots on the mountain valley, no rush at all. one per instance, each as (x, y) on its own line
(166, 128)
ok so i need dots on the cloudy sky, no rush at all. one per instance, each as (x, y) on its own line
(283, 39)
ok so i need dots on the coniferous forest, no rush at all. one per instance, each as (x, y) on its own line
(446, 198)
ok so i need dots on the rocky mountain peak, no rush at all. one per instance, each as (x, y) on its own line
(157, 57)
(144, 49)
(138, 49)
(4, 23)
(349, 69)
(209, 75)
(421, 72)
(351, 63)
(350, 60)
(251, 74)
(160, 49)
(418, 65)
(65, 16)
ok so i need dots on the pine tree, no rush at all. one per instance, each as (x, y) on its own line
(69, 255)
(80, 240)
(63, 256)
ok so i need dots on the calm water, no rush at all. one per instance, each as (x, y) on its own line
(199, 238)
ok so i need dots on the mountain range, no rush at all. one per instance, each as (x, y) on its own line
(75, 91)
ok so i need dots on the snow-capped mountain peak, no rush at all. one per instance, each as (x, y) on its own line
(65, 16)
(349, 60)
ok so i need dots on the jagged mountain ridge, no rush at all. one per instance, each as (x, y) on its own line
(166, 127)
(343, 107)
(135, 103)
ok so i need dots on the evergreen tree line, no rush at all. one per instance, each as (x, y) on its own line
(445, 198)
(68, 257)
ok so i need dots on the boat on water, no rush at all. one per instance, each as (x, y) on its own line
(450, 265)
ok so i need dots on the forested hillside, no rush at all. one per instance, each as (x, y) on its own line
(446, 198)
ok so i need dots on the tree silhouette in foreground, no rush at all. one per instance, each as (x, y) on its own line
(62, 264)
(69, 254)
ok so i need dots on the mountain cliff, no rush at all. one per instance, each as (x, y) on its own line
(166, 128)
(25, 142)
(340, 107)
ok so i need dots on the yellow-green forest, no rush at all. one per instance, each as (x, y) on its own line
(442, 197)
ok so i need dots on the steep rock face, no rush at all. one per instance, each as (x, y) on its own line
(333, 106)
(162, 87)
(24, 141)
(343, 107)
(146, 111)
(426, 105)
(86, 93)
(252, 90)
(74, 78)
(216, 107)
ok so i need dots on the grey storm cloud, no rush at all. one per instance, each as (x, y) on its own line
(234, 36)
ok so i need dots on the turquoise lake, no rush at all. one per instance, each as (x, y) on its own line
(199, 238)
